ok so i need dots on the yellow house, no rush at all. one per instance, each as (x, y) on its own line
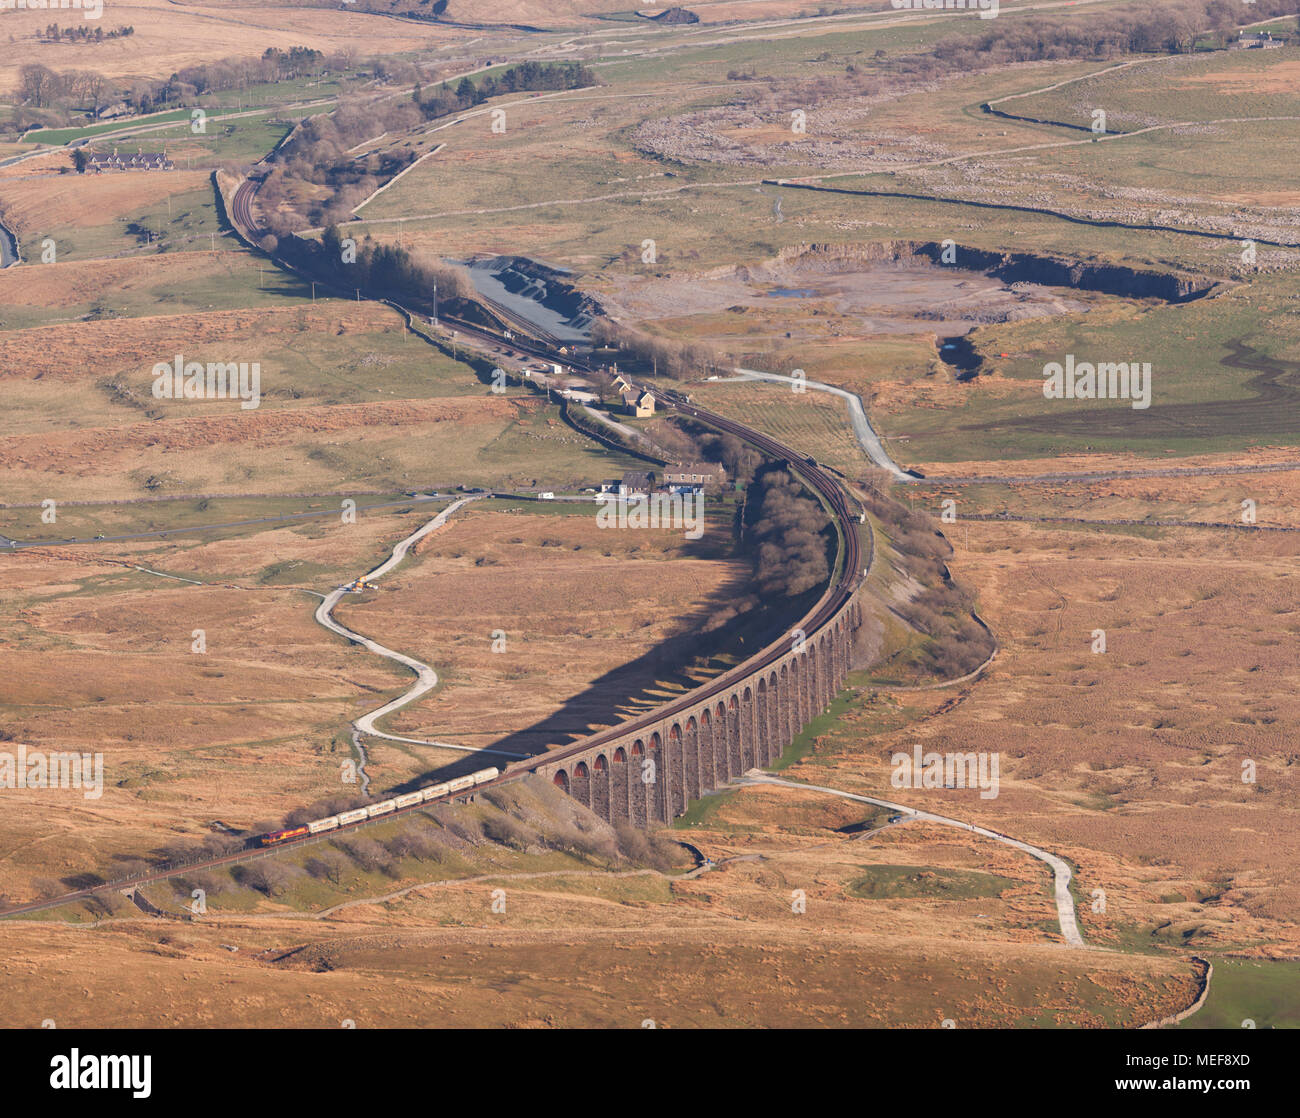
(642, 406)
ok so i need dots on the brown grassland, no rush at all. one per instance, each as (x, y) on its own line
(591, 941)
(97, 657)
(596, 962)
(574, 603)
(171, 36)
(1163, 769)
(349, 399)
(1132, 763)
(27, 203)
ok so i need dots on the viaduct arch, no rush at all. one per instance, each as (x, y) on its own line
(648, 772)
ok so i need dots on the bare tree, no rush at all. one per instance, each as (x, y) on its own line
(38, 85)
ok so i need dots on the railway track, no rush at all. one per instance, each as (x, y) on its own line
(817, 477)
(837, 595)
(241, 209)
(846, 581)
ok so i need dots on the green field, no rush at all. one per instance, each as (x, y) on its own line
(189, 222)
(57, 137)
(811, 422)
(1264, 992)
(1225, 375)
(930, 882)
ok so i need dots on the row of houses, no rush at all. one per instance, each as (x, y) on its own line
(98, 161)
(687, 477)
(1257, 40)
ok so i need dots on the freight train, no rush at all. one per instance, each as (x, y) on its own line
(383, 807)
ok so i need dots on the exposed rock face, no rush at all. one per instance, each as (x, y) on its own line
(675, 15)
(1011, 267)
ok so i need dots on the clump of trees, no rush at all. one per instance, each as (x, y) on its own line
(526, 76)
(942, 609)
(385, 270)
(209, 847)
(658, 356)
(789, 532)
(39, 88)
(51, 97)
(368, 854)
(648, 848)
(271, 878)
(740, 460)
(1149, 28)
(318, 152)
(81, 33)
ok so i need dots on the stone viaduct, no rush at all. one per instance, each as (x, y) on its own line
(648, 771)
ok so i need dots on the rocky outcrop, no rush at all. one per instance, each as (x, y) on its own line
(674, 16)
(1010, 267)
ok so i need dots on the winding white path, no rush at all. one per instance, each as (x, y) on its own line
(1064, 901)
(426, 677)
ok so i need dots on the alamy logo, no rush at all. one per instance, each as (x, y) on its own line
(34, 769)
(988, 9)
(1107, 380)
(98, 1073)
(90, 9)
(653, 510)
(217, 380)
(946, 770)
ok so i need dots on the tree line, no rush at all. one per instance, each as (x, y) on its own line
(49, 97)
(54, 33)
(1175, 28)
(319, 152)
(526, 76)
(658, 356)
(373, 267)
(788, 533)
